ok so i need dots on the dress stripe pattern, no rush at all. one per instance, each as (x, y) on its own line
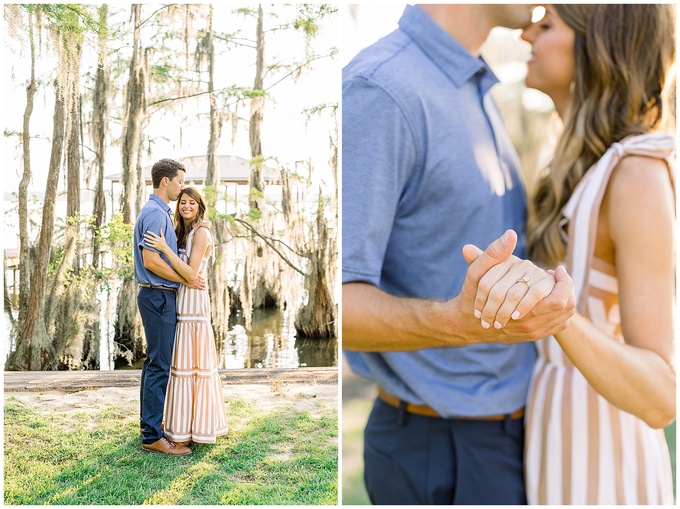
(194, 405)
(580, 449)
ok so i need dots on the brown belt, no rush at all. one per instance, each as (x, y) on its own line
(430, 412)
(146, 285)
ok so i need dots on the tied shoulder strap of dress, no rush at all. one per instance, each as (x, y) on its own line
(583, 208)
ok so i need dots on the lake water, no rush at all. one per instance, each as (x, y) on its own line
(272, 343)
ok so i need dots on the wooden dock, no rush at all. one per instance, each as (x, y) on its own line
(73, 381)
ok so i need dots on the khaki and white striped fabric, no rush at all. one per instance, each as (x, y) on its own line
(580, 449)
(194, 404)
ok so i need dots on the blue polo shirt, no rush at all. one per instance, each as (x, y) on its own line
(426, 169)
(154, 217)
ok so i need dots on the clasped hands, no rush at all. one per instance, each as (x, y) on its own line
(511, 299)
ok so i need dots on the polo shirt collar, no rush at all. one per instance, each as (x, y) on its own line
(454, 60)
(161, 203)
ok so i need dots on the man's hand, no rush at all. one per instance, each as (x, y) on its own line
(482, 262)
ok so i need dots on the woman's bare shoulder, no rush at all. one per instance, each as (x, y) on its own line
(203, 234)
(634, 174)
(639, 195)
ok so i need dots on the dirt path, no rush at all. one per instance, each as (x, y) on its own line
(76, 392)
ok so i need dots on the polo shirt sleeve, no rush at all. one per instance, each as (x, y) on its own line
(152, 222)
(378, 155)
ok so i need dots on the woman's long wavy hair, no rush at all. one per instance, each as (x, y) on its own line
(181, 229)
(622, 57)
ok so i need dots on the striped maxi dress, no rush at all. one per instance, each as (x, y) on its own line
(194, 404)
(580, 449)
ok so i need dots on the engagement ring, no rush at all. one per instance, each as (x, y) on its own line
(524, 280)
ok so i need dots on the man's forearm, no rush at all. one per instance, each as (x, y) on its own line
(375, 321)
(159, 267)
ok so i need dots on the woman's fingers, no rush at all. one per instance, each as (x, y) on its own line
(513, 295)
(524, 295)
(561, 294)
(494, 290)
(488, 283)
(151, 239)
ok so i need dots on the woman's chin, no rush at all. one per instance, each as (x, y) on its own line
(534, 84)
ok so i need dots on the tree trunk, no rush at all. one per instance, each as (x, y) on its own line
(93, 333)
(128, 325)
(317, 318)
(34, 350)
(217, 274)
(76, 347)
(254, 287)
(72, 178)
(8, 301)
(134, 111)
(256, 181)
(99, 131)
(73, 159)
(24, 247)
(134, 116)
(128, 335)
(140, 188)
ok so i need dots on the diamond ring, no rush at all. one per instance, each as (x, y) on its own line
(524, 280)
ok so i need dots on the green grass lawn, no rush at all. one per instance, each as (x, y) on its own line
(288, 457)
(671, 437)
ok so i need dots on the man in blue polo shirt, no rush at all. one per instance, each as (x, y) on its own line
(428, 168)
(158, 284)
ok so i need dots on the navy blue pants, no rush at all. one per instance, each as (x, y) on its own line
(159, 316)
(412, 459)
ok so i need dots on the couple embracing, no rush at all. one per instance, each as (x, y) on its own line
(545, 376)
(181, 398)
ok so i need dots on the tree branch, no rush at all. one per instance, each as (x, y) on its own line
(268, 241)
(197, 94)
(154, 13)
(309, 61)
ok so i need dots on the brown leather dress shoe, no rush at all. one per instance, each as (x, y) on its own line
(165, 446)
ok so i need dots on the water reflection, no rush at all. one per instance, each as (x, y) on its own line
(272, 344)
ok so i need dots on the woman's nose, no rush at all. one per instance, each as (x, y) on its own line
(528, 33)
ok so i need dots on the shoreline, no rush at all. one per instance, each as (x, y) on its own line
(73, 381)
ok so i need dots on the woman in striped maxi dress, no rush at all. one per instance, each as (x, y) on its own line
(603, 389)
(194, 405)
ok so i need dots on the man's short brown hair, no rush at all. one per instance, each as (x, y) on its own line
(165, 168)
